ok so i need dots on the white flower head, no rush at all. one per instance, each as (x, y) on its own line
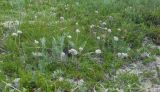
(116, 38)
(77, 31)
(77, 23)
(62, 18)
(125, 54)
(19, 32)
(14, 34)
(80, 49)
(98, 37)
(104, 23)
(105, 28)
(96, 11)
(119, 29)
(122, 55)
(69, 36)
(92, 26)
(61, 79)
(98, 51)
(73, 52)
(109, 30)
(36, 42)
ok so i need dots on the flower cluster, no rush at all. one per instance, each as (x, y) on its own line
(73, 52)
(10, 24)
(15, 34)
(122, 55)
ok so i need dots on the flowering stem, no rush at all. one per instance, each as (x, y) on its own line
(19, 40)
(77, 64)
(77, 39)
(16, 42)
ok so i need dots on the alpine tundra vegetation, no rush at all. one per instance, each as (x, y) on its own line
(79, 45)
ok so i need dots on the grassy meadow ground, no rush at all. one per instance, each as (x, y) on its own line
(79, 45)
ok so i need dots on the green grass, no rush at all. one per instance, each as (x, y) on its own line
(42, 20)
